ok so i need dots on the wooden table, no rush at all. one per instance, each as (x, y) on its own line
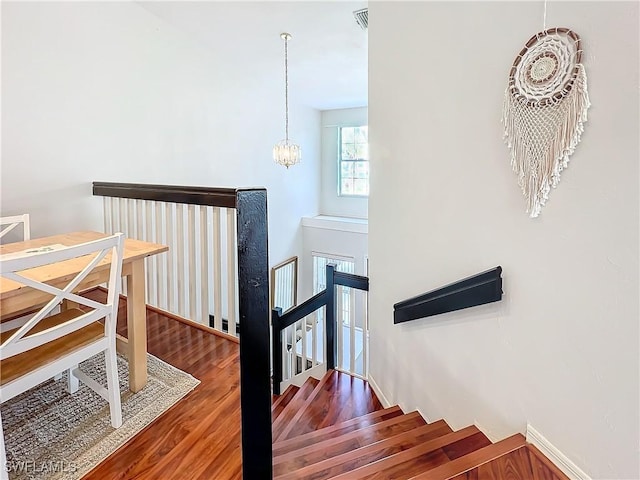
(16, 298)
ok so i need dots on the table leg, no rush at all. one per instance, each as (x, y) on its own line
(137, 326)
(68, 305)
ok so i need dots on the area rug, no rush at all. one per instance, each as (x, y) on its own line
(50, 434)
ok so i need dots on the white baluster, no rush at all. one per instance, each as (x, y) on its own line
(161, 280)
(352, 330)
(338, 326)
(303, 327)
(106, 214)
(131, 217)
(365, 335)
(171, 276)
(152, 290)
(180, 264)
(314, 337)
(231, 271)
(217, 269)
(204, 266)
(192, 286)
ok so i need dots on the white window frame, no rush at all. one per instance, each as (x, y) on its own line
(340, 160)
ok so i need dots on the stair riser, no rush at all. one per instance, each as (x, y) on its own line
(296, 403)
(282, 401)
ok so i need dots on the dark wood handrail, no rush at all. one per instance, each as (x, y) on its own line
(280, 321)
(351, 280)
(211, 196)
(253, 303)
(484, 287)
(300, 311)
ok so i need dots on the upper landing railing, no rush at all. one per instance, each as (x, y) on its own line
(283, 340)
(217, 274)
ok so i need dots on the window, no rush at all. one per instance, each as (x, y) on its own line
(353, 168)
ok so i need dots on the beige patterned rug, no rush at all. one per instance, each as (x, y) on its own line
(50, 434)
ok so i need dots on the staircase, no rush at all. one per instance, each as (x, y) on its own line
(336, 428)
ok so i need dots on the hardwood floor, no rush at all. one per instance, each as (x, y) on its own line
(199, 437)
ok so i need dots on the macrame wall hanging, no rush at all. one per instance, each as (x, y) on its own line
(545, 107)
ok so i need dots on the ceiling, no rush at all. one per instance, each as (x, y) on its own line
(327, 54)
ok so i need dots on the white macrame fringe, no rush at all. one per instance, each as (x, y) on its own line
(542, 138)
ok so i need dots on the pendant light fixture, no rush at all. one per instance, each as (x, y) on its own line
(285, 152)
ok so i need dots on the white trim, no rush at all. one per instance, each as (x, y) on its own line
(426, 419)
(559, 459)
(487, 433)
(334, 256)
(342, 224)
(298, 380)
(378, 391)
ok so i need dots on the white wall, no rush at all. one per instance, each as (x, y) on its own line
(107, 91)
(561, 350)
(330, 202)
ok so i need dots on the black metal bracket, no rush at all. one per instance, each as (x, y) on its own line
(485, 287)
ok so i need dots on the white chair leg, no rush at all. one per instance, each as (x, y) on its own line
(72, 381)
(113, 385)
(4, 474)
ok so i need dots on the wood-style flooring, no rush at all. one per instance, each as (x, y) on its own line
(199, 437)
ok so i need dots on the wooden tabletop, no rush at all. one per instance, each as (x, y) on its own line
(62, 271)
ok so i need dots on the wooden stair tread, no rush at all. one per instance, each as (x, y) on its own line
(472, 460)
(364, 421)
(338, 397)
(336, 428)
(339, 445)
(297, 402)
(282, 401)
(345, 466)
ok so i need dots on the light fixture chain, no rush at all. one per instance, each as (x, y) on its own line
(285, 152)
(286, 88)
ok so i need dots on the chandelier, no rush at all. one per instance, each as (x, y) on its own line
(285, 152)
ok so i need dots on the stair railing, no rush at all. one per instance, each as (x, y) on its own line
(197, 278)
(284, 344)
(189, 219)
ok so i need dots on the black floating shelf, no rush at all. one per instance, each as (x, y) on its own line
(485, 287)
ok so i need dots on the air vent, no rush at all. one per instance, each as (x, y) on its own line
(362, 17)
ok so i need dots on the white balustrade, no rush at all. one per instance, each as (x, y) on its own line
(197, 278)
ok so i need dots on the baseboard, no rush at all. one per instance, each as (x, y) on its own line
(376, 389)
(425, 417)
(487, 432)
(570, 469)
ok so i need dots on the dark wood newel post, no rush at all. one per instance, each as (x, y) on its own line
(255, 369)
(330, 313)
(276, 348)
